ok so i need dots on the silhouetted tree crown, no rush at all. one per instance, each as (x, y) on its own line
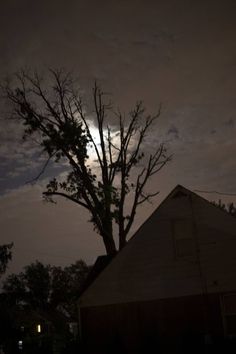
(57, 117)
(46, 287)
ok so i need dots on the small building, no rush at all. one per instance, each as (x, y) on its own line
(172, 287)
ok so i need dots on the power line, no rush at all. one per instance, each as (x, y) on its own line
(215, 192)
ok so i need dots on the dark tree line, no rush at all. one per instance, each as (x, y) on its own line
(42, 295)
(46, 287)
(229, 208)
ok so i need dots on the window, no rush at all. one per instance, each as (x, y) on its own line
(183, 237)
(38, 328)
(229, 313)
(20, 345)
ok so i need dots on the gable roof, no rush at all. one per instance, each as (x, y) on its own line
(147, 268)
(100, 264)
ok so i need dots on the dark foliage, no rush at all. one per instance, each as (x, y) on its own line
(46, 287)
(229, 208)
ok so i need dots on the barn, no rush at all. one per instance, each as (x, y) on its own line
(172, 289)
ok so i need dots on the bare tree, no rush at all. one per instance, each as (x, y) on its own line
(57, 116)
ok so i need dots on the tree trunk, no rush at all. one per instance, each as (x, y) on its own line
(109, 245)
(107, 234)
(122, 241)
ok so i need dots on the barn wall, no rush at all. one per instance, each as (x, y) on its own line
(149, 294)
(148, 267)
(169, 325)
(216, 235)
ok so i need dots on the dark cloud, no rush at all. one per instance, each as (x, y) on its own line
(230, 123)
(173, 132)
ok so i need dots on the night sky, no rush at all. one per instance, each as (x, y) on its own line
(180, 53)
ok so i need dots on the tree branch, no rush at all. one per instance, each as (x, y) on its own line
(50, 194)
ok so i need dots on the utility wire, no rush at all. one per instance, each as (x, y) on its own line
(215, 192)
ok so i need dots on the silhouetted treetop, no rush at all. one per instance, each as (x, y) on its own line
(229, 208)
(46, 287)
